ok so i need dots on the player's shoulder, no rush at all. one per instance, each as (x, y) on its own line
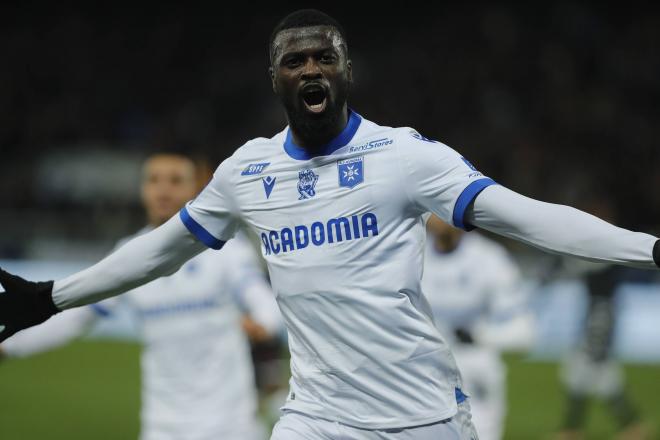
(372, 136)
(411, 135)
(255, 155)
(261, 146)
(412, 143)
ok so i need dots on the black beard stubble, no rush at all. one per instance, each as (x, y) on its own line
(317, 129)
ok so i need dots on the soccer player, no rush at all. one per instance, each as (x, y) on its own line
(480, 312)
(339, 204)
(591, 372)
(197, 375)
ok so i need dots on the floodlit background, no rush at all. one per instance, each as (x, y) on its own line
(557, 101)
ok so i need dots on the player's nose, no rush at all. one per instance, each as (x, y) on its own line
(311, 70)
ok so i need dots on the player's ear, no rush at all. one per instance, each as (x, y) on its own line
(349, 68)
(271, 72)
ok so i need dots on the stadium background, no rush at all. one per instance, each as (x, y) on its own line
(556, 101)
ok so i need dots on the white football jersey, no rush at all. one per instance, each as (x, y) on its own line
(197, 375)
(343, 236)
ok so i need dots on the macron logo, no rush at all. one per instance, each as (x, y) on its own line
(269, 184)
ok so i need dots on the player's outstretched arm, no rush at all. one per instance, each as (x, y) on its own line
(56, 332)
(143, 259)
(153, 255)
(561, 229)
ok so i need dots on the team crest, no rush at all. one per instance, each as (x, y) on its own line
(306, 183)
(351, 172)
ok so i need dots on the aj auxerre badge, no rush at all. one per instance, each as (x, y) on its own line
(351, 171)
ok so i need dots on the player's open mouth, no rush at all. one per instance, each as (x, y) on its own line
(315, 98)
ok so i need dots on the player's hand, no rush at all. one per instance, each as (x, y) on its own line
(23, 303)
(255, 332)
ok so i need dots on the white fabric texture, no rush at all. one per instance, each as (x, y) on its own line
(298, 426)
(160, 252)
(560, 229)
(345, 256)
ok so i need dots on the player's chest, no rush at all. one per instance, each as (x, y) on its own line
(301, 192)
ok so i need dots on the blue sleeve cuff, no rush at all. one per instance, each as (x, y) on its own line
(467, 196)
(198, 230)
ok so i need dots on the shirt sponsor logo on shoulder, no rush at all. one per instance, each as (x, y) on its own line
(255, 168)
(371, 145)
(475, 172)
(416, 135)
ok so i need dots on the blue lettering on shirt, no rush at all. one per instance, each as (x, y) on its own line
(335, 230)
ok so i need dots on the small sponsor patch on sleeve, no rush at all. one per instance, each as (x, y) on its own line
(255, 168)
(467, 162)
(416, 135)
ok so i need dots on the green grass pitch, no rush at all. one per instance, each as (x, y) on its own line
(90, 390)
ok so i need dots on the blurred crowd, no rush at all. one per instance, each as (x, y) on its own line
(557, 101)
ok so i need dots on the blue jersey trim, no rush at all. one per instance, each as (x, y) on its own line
(341, 140)
(198, 230)
(467, 196)
(460, 395)
(100, 310)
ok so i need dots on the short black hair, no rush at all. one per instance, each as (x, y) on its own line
(305, 18)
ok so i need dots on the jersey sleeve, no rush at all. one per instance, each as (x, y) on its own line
(212, 216)
(438, 179)
(56, 332)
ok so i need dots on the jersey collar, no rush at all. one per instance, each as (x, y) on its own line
(341, 140)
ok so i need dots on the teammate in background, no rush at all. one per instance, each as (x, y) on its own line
(197, 375)
(475, 293)
(339, 204)
(591, 371)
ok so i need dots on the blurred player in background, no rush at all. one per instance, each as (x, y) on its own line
(197, 374)
(592, 372)
(478, 303)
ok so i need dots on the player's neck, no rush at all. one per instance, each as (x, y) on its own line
(314, 134)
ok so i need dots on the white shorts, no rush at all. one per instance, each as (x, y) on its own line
(298, 426)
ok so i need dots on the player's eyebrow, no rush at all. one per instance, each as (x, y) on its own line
(302, 36)
(311, 51)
